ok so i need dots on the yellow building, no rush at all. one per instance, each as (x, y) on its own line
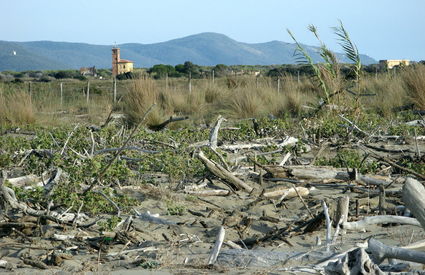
(391, 63)
(120, 66)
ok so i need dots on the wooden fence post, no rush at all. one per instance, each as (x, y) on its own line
(278, 85)
(190, 82)
(61, 85)
(115, 89)
(88, 91)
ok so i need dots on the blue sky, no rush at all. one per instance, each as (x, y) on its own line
(383, 29)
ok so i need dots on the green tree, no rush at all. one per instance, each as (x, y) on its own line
(161, 70)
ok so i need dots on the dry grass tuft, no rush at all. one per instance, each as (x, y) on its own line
(16, 108)
(414, 79)
(390, 94)
(141, 95)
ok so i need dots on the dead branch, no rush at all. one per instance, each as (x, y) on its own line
(214, 132)
(217, 246)
(159, 127)
(102, 173)
(223, 174)
(380, 252)
(361, 225)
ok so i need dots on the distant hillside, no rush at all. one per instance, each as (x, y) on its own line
(203, 49)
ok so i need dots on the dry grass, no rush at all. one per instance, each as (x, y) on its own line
(16, 108)
(141, 95)
(390, 94)
(414, 79)
(236, 97)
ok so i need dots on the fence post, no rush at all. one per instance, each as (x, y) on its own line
(278, 85)
(298, 77)
(213, 76)
(88, 91)
(115, 88)
(190, 82)
(166, 82)
(61, 94)
(30, 90)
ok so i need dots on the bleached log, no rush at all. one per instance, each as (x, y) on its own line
(25, 180)
(287, 193)
(212, 192)
(223, 174)
(217, 246)
(214, 132)
(362, 224)
(287, 141)
(341, 213)
(415, 245)
(328, 225)
(285, 159)
(414, 199)
(264, 258)
(3, 263)
(195, 187)
(60, 237)
(142, 249)
(380, 252)
(354, 262)
(322, 173)
(10, 198)
(233, 245)
(127, 148)
(154, 218)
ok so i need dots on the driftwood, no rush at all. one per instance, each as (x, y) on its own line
(223, 174)
(415, 245)
(217, 246)
(142, 249)
(279, 143)
(361, 225)
(127, 148)
(354, 262)
(414, 199)
(154, 218)
(10, 198)
(341, 213)
(328, 225)
(287, 193)
(212, 192)
(380, 252)
(214, 132)
(161, 126)
(322, 173)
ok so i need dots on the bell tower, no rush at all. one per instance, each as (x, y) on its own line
(115, 60)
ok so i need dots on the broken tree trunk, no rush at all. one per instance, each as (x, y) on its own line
(414, 199)
(354, 262)
(380, 252)
(205, 193)
(361, 225)
(287, 193)
(217, 246)
(342, 209)
(223, 174)
(214, 132)
(322, 173)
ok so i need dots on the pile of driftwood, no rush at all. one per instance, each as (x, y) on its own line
(248, 182)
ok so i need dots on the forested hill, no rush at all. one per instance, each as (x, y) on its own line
(203, 49)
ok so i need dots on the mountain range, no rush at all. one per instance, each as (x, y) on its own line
(207, 49)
